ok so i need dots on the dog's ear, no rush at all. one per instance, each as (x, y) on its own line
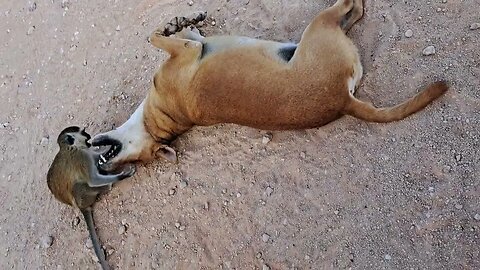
(167, 153)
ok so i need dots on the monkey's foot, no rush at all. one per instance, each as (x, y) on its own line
(176, 24)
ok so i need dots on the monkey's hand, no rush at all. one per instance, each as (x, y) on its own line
(128, 170)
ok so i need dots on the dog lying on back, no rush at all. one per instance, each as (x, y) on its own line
(256, 83)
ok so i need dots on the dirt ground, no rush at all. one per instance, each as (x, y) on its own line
(352, 194)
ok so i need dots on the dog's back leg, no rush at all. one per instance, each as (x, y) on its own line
(176, 47)
(353, 16)
(328, 18)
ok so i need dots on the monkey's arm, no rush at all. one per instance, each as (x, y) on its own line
(99, 180)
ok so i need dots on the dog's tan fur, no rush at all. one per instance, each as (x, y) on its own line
(244, 81)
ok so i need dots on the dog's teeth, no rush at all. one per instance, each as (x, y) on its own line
(103, 159)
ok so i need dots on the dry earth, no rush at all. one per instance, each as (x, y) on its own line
(351, 194)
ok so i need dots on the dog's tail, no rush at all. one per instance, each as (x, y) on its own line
(367, 112)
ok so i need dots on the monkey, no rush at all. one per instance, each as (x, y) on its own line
(76, 178)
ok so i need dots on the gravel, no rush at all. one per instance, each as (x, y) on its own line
(430, 50)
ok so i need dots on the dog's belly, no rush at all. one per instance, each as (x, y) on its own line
(254, 89)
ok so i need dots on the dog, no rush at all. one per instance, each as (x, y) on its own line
(257, 83)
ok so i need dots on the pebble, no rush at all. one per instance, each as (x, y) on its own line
(118, 28)
(65, 3)
(46, 241)
(75, 221)
(88, 243)
(475, 26)
(122, 229)
(190, 3)
(183, 184)
(430, 50)
(171, 192)
(388, 257)
(213, 23)
(44, 141)
(265, 237)
(477, 217)
(206, 205)
(458, 158)
(458, 206)
(408, 33)
(269, 191)
(266, 138)
(32, 7)
(30, 30)
(265, 267)
(303, 155)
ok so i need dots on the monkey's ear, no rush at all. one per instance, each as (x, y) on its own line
(70, 139)
(167, 153)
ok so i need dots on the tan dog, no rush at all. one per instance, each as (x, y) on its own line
(257, 83)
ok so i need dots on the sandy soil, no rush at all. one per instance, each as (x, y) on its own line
(348, 195)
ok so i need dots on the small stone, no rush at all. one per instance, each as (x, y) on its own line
(65, 3)
(336, 212)
(431, 189)
(44, 141)
(474, 26)
(388, 257)
(266, 139)
(430, 50)
(89, 243)
(75, 221)
(177, 225)
(118, 28)
(183, 184)
(213, 23)
(46, 241)
(171, 192)
(265, 237)
(30, 30)
(458, 158)
(303, 155)
(206, 205)
(122, 229)
(477, 217)
(269, 191)
(181, 228)
(32, 7)
(110, 251)
(265, 267)
(458, 206)
(408, 33)
(190, 3)
(259, 255)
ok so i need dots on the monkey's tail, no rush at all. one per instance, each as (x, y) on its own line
(87, 214)
(367, 112)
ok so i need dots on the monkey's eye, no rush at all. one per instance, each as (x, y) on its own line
(70, 140)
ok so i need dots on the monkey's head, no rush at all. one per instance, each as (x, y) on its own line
(132, 142)
(74, 136)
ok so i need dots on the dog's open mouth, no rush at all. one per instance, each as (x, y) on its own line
(112, 152)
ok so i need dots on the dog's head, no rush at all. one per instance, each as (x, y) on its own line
(132, 142)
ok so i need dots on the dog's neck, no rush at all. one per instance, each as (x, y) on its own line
(161, 123)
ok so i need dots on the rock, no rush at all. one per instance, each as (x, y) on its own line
(32, 7)
(265, 237)
(46, 241)
(474, 26)
(65, 3)
(88, 243)
(408, 33)
(265, 267)
(171, 192)
(181, 228)
(206, 205)
(118, 28)
(75, 221)
(477, 217)
(190, 3)
(183, 184)
(177, 225)
(122, 229)
(213, 23)
(303, 155)
(458, 206)
(458, 158)
(44, 141)
(30, 30)
(269, 191)
(430, 50)
(388, 257)
(266, 139)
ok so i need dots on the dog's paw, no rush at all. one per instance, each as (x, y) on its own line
(176, 24)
